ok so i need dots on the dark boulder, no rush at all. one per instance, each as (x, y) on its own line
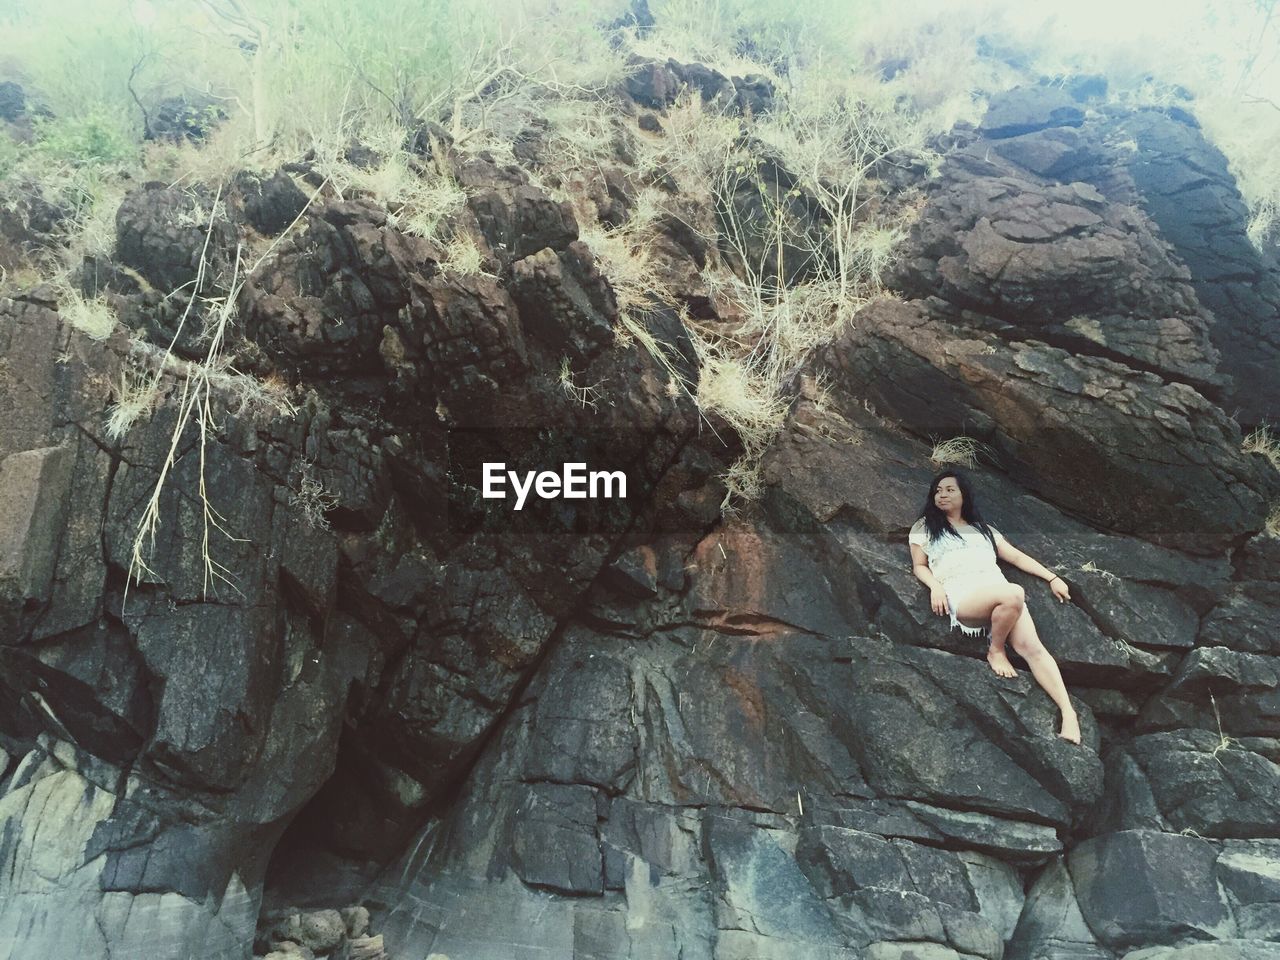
(1141, 887)
(184, 118)
(1043, 412)
(273, 203)
(161, 233)
(13, 101)
(1025, 109)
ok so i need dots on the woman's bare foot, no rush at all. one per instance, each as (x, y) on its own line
(1000, 662)
(1070, 727)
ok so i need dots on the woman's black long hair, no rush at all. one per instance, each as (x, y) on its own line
(935, 520)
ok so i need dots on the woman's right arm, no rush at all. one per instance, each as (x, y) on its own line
(920, 567)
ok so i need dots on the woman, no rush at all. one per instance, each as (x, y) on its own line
(954, 552)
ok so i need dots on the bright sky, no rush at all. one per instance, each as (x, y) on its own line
(1169, 31)
(1109, 32)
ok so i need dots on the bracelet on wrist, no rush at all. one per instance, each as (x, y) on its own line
(1055, 577)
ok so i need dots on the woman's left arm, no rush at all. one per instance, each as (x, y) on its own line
(1015, 557)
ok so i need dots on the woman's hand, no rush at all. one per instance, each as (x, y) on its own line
(1059, 588)
(938, 600)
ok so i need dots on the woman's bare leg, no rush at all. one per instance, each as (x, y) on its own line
(1026, 643)
(1002, 606)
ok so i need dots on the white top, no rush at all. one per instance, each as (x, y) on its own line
(959, 561)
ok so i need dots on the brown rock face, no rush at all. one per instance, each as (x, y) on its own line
(625, 728)
(1119, 448)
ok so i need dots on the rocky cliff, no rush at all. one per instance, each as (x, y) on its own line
(638, 728)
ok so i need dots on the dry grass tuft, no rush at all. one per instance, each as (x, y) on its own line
(736, 392)
(420, 197)
(1091, 567)
(696, 139)
(963, 451)
(1273, 521)
(136, 396)
(313, 500)
(1263, 441)
(632, 327)
(463, 256)
(583, 396)
(92, 317)
(1224, 742)
(200, 388)
(625, 256)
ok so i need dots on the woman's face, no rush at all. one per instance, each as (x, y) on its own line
(947, 495)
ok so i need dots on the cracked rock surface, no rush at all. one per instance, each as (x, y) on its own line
(636, 729)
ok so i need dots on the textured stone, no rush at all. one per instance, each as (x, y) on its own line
(1024, 109)
(321, 930)
(1051, 926)
(648, 730)
(1137, 886)
(554, 843)
(1250, 870)
(564, 304)
(1198, 783)
(1224, 950)
(271, 204)
(998, 890)
(356, 920)
(1246, 619)
(161, 233)
(13, 101)
(1219, 689)
(1077, 399)
(1185, 186)
(34, 487)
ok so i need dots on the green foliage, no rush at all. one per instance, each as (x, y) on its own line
(780, 34)
(862, 84)
(293, 76)
(404, 53)
(75, 64)
(76, 55)
(92, 138)
(10, 153)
